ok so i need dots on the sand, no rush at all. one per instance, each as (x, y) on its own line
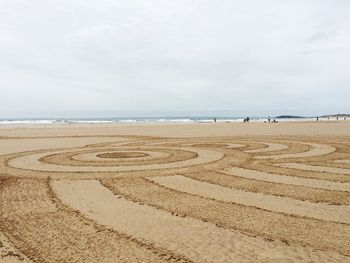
(224, 192)
(195, 239)
(270, 148)
(267, 202)
(301, 166)
(282, 179)
(316, 150)
(8, 253)
(342, 161)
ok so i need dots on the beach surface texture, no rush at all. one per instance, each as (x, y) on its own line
(175, 192)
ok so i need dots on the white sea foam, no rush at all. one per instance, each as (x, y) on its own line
(147, 120)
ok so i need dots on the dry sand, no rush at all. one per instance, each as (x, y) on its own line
(282, 179)
(268, 202)
(224, 192)
(301, 166)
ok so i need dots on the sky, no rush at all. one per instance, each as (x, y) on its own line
(179, 57)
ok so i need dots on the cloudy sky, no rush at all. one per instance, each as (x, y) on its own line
(232, 57)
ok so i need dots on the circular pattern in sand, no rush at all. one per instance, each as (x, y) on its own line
(122, 155)
(212, 183)
(93, 159)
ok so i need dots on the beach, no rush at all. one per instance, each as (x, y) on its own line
(175, 192)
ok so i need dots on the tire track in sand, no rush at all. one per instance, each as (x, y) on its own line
(200, 241)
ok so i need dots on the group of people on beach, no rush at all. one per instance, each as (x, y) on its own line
(337, 118)
(274, 120)
(269, 119)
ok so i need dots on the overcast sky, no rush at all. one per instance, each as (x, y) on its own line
(248, 57)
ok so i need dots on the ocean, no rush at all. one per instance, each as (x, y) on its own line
(126, 120)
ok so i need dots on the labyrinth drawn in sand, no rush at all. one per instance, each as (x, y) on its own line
(150, 199)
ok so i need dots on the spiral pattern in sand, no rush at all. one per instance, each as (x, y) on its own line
(108, 199)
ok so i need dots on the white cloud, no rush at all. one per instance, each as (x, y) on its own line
(254, 57)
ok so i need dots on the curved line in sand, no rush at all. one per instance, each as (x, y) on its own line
(314, 168)
(270, 147)
(46, 231)
(342, 161)
(197, 240)
(285, 179)
(11, 146)
(340, 214)
(194, 144)
(68, 158)
(9, 253)
(94, 156)
(31, 162)
(234, 145)
(317, 150)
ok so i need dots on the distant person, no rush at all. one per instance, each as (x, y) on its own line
(316, 118)
(337, 117)
(214, 119)
(247, 119)
(269, 119)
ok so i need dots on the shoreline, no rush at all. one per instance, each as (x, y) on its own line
(190, 183)
(164, 120)
(321, 128)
